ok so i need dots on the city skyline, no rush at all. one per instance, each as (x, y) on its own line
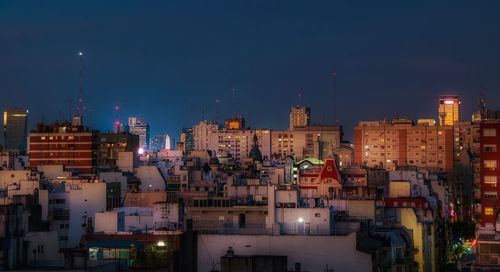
(204, 136)
(294, 51)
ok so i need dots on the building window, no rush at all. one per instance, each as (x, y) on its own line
(490, 148)
(491, 164)
(490, 180)
(490, 195)
(489, 132)
(488, 211)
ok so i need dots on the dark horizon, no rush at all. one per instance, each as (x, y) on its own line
(170, 62)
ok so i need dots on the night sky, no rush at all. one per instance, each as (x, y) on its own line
(169, 61)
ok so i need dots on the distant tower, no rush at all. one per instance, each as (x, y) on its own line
(15, 129)
(255, 153)
(138, 126)
(299, 117)
(449, 110)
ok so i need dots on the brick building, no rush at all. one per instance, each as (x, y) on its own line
(65, 144)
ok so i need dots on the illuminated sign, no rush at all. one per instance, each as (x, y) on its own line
(449, 102)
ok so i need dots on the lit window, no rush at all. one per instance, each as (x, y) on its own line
(488, 211)
(43, 138)
(491, 164)
(490, 180)
(489, 132)
(490, 148)
(490, 195)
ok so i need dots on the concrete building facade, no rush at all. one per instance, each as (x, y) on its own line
(400, 142)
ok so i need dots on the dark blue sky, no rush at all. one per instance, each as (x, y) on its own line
(167, 60)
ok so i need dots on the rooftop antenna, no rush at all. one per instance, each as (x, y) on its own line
(117, 108)
(234, 101)
(217, 110)
(70, 109)
(482, 104)
(80, 107)
(299, 98)
(334, 75)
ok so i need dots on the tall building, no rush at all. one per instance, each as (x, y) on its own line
(202, 133)
(299, 117)
(15, 129)
(160, 142)
(63, 144)
(138, 126)
(490, 172)
(449, 110)
(488, 231)
(187, 139)
(400, 142)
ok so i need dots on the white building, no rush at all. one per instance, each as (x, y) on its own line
(314, 253)
(161, 216)
(238, 143)
(202, 133)
(151, 178)
(72, 206)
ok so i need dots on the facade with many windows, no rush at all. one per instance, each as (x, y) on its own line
(387, 145)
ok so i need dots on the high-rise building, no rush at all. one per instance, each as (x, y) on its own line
(299, 117)
(160, 142)
(74, 147)
(449, 110)
(490, 172)
(400, 142)
(187, 139)
(488, 231)
(202, 133)
(15, 129)
(138, 126)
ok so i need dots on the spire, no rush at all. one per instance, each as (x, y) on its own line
(255, 153)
